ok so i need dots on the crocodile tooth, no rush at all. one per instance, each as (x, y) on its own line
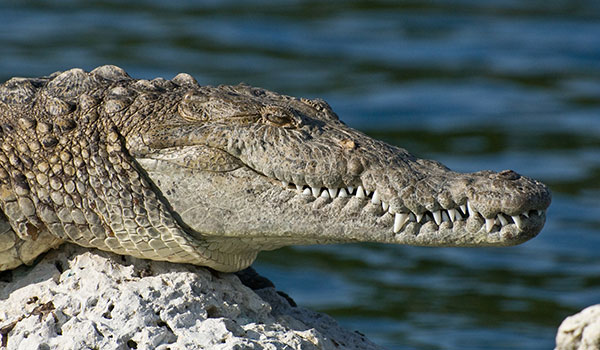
(399, 221)
(284, 183)
(452, 214)
(325, 194)
(419, 217)
(299, 188)
(445, 216)
(463, 208)
(471, 210)
(489, 224)
(502, 219)
(525, 214)
(315, 191)
(360, 192)
(307, 191)
(517, 221)
(343, 193)
(437, 217)
(367, 192)
(350, 189)
(411, 217)
(540, 212)
(376, 199)
(332, 192)
(384, 206)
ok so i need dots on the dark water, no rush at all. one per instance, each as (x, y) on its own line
(474, 84)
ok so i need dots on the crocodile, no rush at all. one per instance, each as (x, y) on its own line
(171, 170)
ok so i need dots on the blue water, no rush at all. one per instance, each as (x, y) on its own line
(476, 85)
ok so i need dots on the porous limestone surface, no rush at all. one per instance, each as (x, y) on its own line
(580, 331)
(87, 299)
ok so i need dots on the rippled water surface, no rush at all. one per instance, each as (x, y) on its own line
(473, 84)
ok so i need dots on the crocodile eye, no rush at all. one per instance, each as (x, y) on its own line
(277, 119)
(279, 116)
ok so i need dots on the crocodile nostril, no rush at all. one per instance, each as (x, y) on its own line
(509, 175)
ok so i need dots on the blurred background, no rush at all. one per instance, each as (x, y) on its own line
(495, 84)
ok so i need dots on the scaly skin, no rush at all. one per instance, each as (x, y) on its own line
(170, 170)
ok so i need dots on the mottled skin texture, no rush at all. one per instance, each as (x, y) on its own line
(170, 170)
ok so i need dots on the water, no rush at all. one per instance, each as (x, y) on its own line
(476, 85)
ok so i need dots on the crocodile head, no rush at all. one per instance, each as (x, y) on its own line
(247, 169)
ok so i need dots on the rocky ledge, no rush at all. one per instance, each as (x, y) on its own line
(75, 298)
(580, 331)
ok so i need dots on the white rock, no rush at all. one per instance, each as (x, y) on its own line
(76, 298)
(580, 331)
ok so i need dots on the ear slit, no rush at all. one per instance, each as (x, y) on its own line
(199, 157)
